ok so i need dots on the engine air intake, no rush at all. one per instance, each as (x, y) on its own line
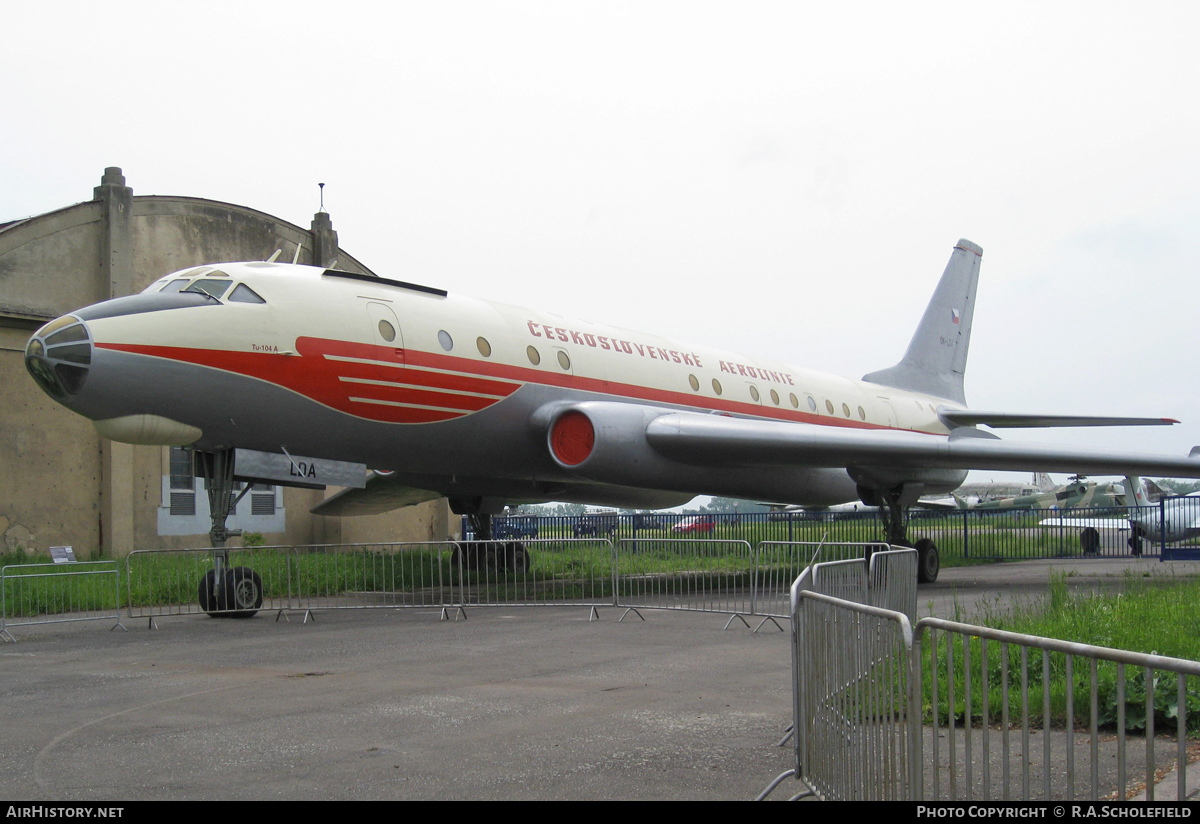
(572, 438)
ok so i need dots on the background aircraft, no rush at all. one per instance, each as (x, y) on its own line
(489, 404)
(1077, 493)
(1151, 516)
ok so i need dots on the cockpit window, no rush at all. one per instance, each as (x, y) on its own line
(174, 286)
(244, 294)
(209, 286)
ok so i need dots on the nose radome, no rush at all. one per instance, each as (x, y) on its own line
(58, 356)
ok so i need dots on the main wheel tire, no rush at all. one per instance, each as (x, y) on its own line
(211, 596)
(467, 554)
(1089, 539)
(929, 561)
(243, 592)
(1135, 546)
(516, 557)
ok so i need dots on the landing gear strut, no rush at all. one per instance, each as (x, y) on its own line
(1135, 542)
(894, 516)
(225, 592)
(484, 553)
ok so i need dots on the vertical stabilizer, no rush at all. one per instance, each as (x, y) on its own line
(1135, 494)
(936, 360)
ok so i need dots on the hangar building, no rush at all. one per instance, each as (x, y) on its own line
(61, 484)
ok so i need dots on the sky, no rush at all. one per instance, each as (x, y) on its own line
(781, 179)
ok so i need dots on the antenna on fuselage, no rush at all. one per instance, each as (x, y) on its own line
(296, 257)
(275, 256)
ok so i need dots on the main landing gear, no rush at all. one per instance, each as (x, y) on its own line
(894, 516)
(484, 553)
(225, 591)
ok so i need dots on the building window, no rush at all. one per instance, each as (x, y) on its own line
(183, 482)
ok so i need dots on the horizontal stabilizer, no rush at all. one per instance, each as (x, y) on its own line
(381, 494)
(1009, 420)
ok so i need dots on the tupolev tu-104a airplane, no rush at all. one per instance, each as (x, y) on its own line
(488, 404)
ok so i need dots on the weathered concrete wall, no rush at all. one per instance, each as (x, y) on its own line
(60, 483)
(50, 264)
(49, 463)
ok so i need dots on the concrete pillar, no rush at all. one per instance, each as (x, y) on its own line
(116, 232)
(325, 240)
(116, 459)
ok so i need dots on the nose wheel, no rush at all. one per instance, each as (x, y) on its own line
(238, 593)
(225, 591)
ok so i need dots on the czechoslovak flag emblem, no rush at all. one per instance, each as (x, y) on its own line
(954, 315)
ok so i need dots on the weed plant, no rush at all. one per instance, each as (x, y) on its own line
(1146, 618)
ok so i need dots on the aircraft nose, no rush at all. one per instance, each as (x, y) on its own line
(59, 355)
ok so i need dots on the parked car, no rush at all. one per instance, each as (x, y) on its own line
(695, 523)
(506, 529)
(592, 525)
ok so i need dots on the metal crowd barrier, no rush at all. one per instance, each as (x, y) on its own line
(969, 676)
(531, 572)
(383, 575)
(851, 675)
(685, 574)
(442, 574)
(652, 573)
(56, 593)
(864, 674)
(160, 582)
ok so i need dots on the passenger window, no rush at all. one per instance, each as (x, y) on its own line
(774, 397)
(244, 294)
(716, 386)
(846, 410)
(445, 340)
(484, 347)
(694, 383)
(829, 407)
(533, 355)
(754, 392)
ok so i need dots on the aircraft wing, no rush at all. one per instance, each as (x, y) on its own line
(1013, 420)
(380, 494)
(713, 439)
(657, 447)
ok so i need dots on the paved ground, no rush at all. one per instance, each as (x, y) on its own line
(520, 704)
(382, 704)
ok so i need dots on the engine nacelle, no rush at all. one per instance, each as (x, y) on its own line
(606, 443)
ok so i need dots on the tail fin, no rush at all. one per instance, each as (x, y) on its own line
(1043, 482)
(936, 359)
(1135, 495)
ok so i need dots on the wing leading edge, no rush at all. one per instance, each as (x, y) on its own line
(709, 440)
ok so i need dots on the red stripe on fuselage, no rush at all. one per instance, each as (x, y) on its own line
(318, 377)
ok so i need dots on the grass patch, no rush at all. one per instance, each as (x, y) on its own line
(1142, 617)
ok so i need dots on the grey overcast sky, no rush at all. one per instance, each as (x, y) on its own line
(784, 179)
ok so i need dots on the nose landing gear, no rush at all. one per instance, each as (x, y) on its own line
(225, 592)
